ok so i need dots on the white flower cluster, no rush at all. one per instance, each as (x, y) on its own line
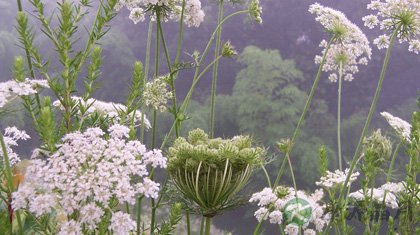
(350, 44)
(108, 110)
(267, 199)
(402, 127)
(86, 174)
(337, 178)
(156, 94)
(392, 191)
(392, 14)
(11, 136)
(168, 9)
(11, 89)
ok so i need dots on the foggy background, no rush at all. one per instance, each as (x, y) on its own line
(277, 56)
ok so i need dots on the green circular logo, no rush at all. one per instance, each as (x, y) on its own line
(297, 211)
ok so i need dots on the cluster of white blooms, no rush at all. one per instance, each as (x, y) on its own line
(108, 110)
(350, 43)
(402, 127)
(168, 9)
(279, 201)
(156, 93)
(11, 89)
(11, 136)
(393, 14)
(392, 191)
(337, 178)
(87, 173)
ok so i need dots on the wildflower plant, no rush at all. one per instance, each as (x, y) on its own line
(86, 178)
(209, 172)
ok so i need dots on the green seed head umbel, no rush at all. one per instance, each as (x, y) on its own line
(209, 172)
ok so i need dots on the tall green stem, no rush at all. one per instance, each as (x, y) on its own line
(208, 225)
(146, 74)
(306, 107)
(372, 108)
(216, 54)
(340, 74)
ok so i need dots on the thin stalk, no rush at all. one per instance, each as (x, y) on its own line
(340, 74)
(293, 175)
(388, 178)
(9, 178)
(185, 107)
(306, 106)
(139, 214)
(146, 74)
(172, 79)
(188, 222)
(154, 128)
(181, 23)
(365, 128)
(208, 225)
(266, 175)
(216, 54)
(202, 225)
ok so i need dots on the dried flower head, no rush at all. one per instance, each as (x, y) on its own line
(400, 15)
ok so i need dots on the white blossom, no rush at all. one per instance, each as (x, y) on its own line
(155, 158)
(402, 127)
(276, 217)
(265, 197)
(108, 110)
(259, 214)
(122, 224)
(11, 89)
(169, 10)
(395, 14)
(336, 179)
(83, 175)
(11, 136)
(377, 195)
(350, 43)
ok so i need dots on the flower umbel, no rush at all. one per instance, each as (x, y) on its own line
(350, 43)
(402, 15)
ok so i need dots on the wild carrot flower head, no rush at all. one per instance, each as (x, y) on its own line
(396, 14)
(107, 110)
(350, 43)
(336, 179)
(402, 127)
(167, 10)
(11, 89)
(11, 136)
(287, 210)
(86, 177)
(156, 93)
